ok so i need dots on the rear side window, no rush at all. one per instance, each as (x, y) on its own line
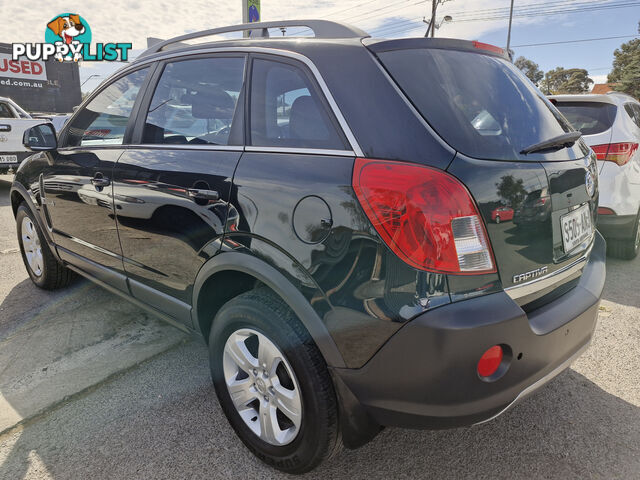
(286, 110)
(482, 105)
(633, 111)
(588, 117)
(195, 102)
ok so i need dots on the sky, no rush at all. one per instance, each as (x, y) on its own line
(125, 21)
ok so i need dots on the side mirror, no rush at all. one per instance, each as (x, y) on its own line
(40, 138)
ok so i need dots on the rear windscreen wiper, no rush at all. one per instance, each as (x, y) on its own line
(561, 141)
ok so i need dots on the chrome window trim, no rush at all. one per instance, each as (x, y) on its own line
(346, 130)
(170, 146)
(533, 286)
(303, 151)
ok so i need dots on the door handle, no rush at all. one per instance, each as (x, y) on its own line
(100, 181)
(198, 194)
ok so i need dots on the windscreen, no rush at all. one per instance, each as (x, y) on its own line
(482, 105)
(590, 118)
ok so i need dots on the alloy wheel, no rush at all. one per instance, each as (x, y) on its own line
(262, 386)
(32, 247)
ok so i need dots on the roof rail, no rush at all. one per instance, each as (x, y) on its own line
(321, 29)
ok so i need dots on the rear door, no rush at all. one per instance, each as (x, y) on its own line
(171, 189)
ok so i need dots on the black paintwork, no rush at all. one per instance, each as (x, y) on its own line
(291, 221)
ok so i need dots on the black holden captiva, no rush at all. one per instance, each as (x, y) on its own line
(322, 211)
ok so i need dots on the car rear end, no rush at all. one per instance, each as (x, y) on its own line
(524, 294)
(606, 122)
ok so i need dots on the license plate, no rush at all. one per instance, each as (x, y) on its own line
(8, 159)
(576, 227)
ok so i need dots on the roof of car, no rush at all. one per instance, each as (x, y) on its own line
(587, 97)
(614, 98)
(325, 32)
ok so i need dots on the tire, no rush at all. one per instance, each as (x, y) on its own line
(43, 268)
(260, 317)
(498, 219)
(626, 249)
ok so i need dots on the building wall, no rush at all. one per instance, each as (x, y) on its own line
(58, 93)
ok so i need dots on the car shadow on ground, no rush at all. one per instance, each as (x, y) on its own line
(159, 424)
(622, 281)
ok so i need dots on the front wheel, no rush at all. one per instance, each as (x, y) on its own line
(272, 383)
(43, 268)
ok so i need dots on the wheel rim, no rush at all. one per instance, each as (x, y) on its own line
(262, 387)
(32, 247)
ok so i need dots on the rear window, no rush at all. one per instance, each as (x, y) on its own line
(588, 117)
(482, 105)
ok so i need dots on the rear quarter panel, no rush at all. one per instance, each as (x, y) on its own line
(360, 290)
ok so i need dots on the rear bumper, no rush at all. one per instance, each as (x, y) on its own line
(617, 226)
(425, 375)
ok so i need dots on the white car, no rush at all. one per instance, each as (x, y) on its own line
(13, 123)
(610, 124)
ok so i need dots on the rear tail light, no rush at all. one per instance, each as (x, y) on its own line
(605, 211)
(619, 153)
(541, 202)
(425, 216)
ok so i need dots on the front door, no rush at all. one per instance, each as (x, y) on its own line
(78, 183)
(171, 191)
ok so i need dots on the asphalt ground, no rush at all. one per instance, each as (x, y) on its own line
(159, 419)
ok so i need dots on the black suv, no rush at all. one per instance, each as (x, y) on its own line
(319, 209)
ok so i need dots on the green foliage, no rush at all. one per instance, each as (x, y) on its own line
(626, 68)
(570, 80)
(511, 190)
(530, 69)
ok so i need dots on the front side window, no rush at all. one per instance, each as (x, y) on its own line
(103, 121)
(195, 102)
(286, 110)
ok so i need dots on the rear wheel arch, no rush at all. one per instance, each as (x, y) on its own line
(229, 274)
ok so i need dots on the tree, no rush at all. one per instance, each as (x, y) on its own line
(511, 190)
(626, 68)
(570, 80)
(530, 69)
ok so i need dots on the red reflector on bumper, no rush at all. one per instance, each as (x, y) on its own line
(605, 211)
(490, 361)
